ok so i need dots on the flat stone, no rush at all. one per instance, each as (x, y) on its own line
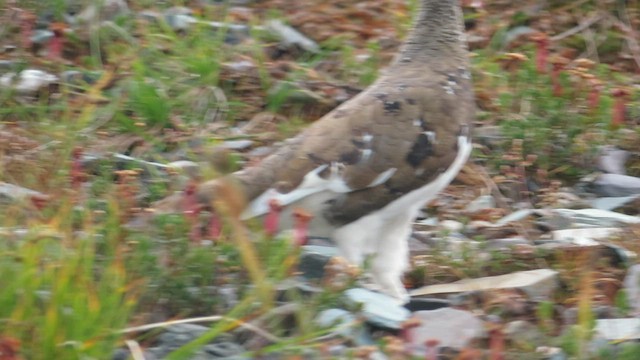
(452, 327)
(584, 237)
(616, 185)
(379, 309)
(518, 215)
(597, 217)
(612, 160)
(612, 203)
(481, 203)
(632, 288)
(618, 329)
(536, 283)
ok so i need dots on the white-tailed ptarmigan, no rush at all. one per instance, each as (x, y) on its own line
(366, 168)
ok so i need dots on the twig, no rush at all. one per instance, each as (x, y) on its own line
(135, 350)
(574, 30)
(493, 188)
(630, 36)
(213, 318)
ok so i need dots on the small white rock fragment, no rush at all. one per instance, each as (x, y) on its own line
(29, 81)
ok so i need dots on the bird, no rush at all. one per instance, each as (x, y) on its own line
(365, 169)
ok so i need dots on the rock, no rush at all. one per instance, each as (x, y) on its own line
(41, 36)
(149, 15)
(180, 334)
(224, 350)
(612, 203)
(481, 203)
(237, 144)
(489, 135)
(536, 283)
(570, 315)
(313, 260)
(506, 243)
(28, 82)
(379, 309)
(420, 304)
(597, 218)
(345, 323)
(235, 33)
(15, 192)
(612, 160)
(632, 288)
(514, 34)
(451, 327)
(7, 65)
(189, 167)
(291, 37)
(108, 10)
(524, 334)
(417, 247)
(518, 215)
(618, 329)
(452, 225)
(585, 236)
(615, 185)
(551, 353)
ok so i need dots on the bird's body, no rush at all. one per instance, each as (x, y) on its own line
(365, 169)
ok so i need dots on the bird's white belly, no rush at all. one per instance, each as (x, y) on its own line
(363, 236)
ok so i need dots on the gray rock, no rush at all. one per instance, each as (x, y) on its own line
(518, 215)
(7, 64)
(237, 144)
(291, 37)
(506, 243)
(489, 135)
(223, 349)
(612, 203)
(481, 203)
(379, 309)
(632, 288)
(313, 260)
(452, 225)
(108, 10)
(28, 82)
(346, 325)
(524, 333)
(615, 185)
(41, 36)
(612, 160)
(452, 327)
(551, 353)
(149, 15)
(180, 334)
(618, 329)
(515, 33)
(597, 217)
(15, 192)
(536, 283)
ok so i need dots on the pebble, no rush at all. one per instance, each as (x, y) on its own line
(453, 328)
(632, 288)
(28, 82)
(379, 309)
(481, 203)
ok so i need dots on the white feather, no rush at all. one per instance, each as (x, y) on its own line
(384, 233)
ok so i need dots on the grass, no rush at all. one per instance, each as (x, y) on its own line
(77, 272)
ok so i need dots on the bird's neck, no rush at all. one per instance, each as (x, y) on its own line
(437, 33)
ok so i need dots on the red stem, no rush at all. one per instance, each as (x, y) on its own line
(496, 345)
(555, 80)
(272, 219)
(593, 99)
(542, 53)
(619, 109)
